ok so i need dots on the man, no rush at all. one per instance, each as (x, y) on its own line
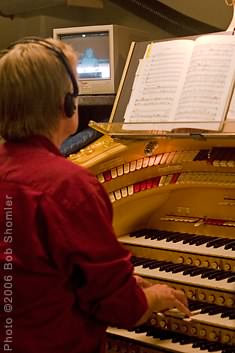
(67, 276)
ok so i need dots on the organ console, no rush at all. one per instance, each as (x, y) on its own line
(173, 198)
(174, 209)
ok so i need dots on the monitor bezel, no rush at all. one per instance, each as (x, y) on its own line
(93, 86)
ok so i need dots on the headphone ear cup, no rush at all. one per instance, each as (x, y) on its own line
(69, 105)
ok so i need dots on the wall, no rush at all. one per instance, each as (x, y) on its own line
(41, 23)
(213, 12)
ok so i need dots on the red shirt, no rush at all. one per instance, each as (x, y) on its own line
(66, 275)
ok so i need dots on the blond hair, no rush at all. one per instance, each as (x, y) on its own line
(34, 82)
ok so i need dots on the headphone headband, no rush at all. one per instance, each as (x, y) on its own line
(59, 53)
(69, 105)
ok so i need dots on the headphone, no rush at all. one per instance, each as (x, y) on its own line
(69, 100)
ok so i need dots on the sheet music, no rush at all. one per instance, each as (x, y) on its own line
(169, 87)
(209, 79)
(156, 86)
(231, 111)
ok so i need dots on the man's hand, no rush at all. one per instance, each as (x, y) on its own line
(166, 298)
(142, 282)
(160, 298)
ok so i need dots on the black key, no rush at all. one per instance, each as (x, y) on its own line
(207, 308)
(232, 316)
(141, 329)
(223, 275)
(170, 267)
(148, 261)
(188, 270)
(204, 345)
(231, 279)
(179, 268)
(228, 350)
(149, 233)
(195, 239)
(214, 274)
(221, 242)
(188, 239)
(187, 340)
(156, 264)
(226, 312)
(197, 271)
(138, 233)
(195, 305)
(176, 337)
(215, 310)
(197, 343)
(203, 240)
(215, 347)
(206, 273)
(165, 335)
(212, 242)
(160, 235)
(179, 238)
(165, 265)
(171, 237)
(229, 245)
(138, 260)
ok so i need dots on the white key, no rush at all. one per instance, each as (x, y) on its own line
(114, 173)
(120, 170)
(126, 168)
(196, 281)
(190, 155)
(213, 320)
(124, 192)
(139, 163)
(156, 342)
(151, 161)
(168, 179)
(158, 159)
(170, 157)
(182, 156)
(130, 190)
(100, 177)
(145, 162)
(193, 249)
(176, 157)
(164, 157)
(133, 166)
(112, 197)
(162, 180)
(118, 194)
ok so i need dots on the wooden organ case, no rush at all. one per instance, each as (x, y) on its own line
(173, 196)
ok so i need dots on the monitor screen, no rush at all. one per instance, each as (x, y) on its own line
(92, 49)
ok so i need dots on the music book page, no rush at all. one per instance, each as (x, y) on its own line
(231, 111)
(183, 83)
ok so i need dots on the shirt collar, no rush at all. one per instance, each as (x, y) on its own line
(40, 141)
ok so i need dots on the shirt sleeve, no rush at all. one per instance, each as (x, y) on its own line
(99, 267)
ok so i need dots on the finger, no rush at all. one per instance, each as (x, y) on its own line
(180, 306)
(181, 297)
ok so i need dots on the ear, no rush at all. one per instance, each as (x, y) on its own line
(62, 112)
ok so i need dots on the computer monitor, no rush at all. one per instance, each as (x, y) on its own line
(102, 52)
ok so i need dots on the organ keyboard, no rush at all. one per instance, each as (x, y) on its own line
(174, 209)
